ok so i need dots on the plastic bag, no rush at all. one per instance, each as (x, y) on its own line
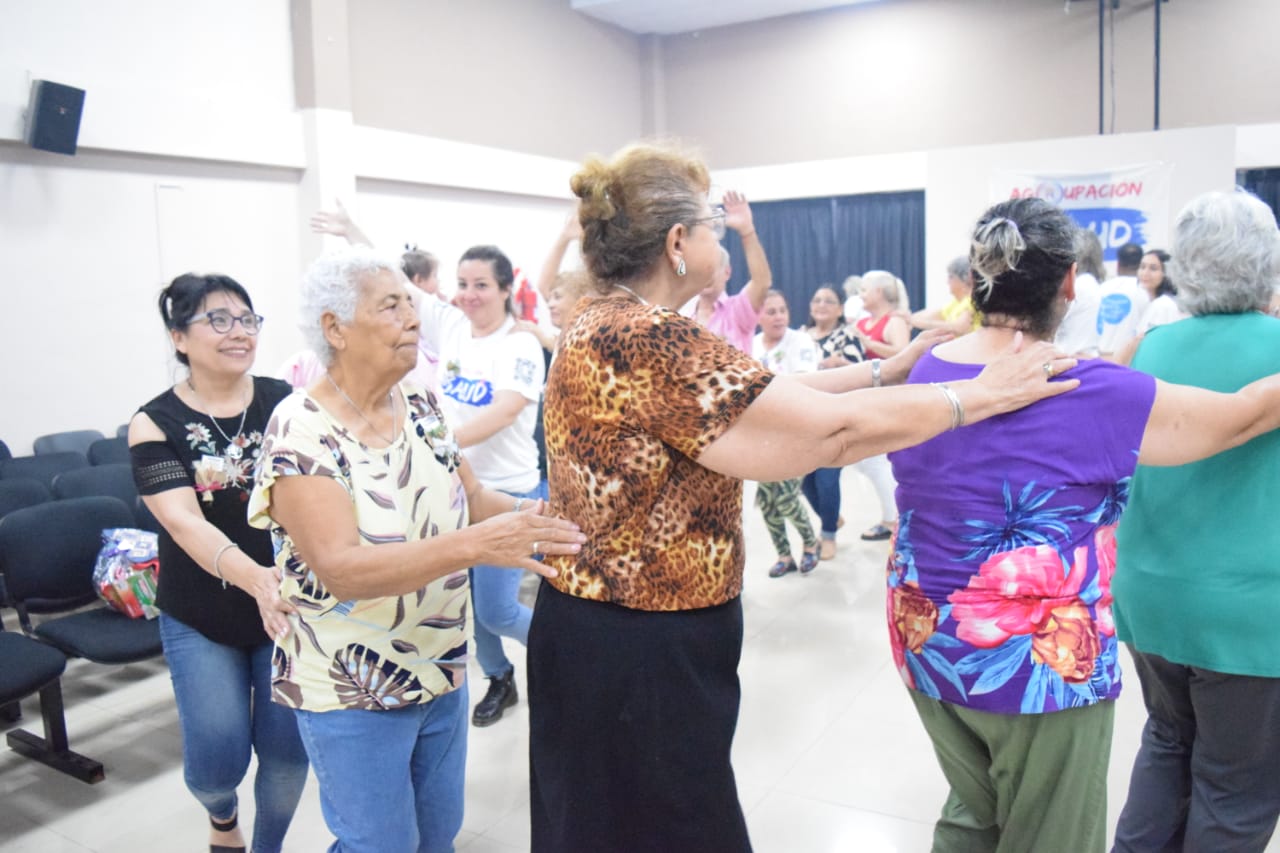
(126, 571)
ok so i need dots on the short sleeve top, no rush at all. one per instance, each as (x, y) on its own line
(795, 352)
(196, 455)
(636, 393)
(999, 581)
(378, 653)
(734, 318)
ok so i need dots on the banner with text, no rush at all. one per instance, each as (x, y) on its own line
(1124, 205)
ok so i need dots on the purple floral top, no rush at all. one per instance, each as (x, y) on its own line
(999, 581)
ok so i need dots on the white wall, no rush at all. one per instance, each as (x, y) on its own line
(957, 181)
(958, 186)
(87, 243)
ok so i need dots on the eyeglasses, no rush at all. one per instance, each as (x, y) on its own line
(715, 222)
(222, 320)
(823, 300)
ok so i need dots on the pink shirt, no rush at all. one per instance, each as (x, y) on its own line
(734, 319)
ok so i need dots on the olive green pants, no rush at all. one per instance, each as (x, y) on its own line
(1021, 783)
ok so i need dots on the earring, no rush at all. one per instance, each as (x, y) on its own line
(680, 268)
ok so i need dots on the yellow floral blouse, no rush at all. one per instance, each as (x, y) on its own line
(378, 653)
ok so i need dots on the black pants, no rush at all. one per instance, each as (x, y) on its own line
(1207, 775)
(631, 719)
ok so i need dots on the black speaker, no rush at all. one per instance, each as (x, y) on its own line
(53, 116)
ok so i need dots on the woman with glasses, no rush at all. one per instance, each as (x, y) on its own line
(652, 424)
(193, 450)
(838, 346)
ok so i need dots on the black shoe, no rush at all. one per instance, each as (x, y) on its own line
(500, 696)
(225, 826)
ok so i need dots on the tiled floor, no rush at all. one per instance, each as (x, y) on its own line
(829, 754)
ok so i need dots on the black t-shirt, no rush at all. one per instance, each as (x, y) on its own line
(194, 455)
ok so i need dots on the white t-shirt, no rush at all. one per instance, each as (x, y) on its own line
(1078, 332)
(795, 353)
(1120, 308)
(853, 310)
(471, 371)
(1162, 311)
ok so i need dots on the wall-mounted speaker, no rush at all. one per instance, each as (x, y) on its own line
(53, 116)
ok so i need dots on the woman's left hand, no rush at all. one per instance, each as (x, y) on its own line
(894, 370)
(273, 609)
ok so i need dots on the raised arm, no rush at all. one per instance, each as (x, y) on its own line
(339, 223)
(319, 517)
(1188, 424)
(791, 429)
(571, 231)
(737, 215)
(178, 510)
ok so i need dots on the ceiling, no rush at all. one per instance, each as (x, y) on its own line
(668, 17)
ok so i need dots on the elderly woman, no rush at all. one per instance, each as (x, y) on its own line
(734, 318)
(838, 346)
(1078, 332)
(957, 315)
(999, 599)
(1196, 587)
(882, 333)
(652, 423)
(193, 450)
(376, 518)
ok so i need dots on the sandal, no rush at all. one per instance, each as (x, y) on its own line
(225, 826)
(782, 567)
(808, 562)
(877, 533)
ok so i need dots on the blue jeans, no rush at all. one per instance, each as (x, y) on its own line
(225, 711)
(822, 490)
(498, 611)
(391, 781)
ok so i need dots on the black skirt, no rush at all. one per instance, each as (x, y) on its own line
(632, 715)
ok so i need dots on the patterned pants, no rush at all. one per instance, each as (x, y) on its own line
(779, 503)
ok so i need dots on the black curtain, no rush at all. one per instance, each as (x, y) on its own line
(814, 241)
(1264, 183)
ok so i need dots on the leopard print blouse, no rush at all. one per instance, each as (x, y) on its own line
(635, 393)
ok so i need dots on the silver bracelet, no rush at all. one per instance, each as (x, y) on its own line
(519, 503)
(217, 570)
(875, 373)
(957, 409)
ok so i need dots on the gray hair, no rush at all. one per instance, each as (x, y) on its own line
(1226, 254)
(332, 285)
(853, 285)
(888, 284)
(1088, 249)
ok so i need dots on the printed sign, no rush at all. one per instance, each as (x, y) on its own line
(1125, 205)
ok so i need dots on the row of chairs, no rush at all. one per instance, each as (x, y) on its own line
(48, 465)
(114, 480)
(48, 549)
(79, 441)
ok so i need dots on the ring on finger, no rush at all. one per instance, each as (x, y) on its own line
(536, 549)
(1048, 369)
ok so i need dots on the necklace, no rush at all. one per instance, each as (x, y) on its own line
(643, 301)
(234, 451)
(352, 404)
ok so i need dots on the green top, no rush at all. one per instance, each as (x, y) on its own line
(1198, 568)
